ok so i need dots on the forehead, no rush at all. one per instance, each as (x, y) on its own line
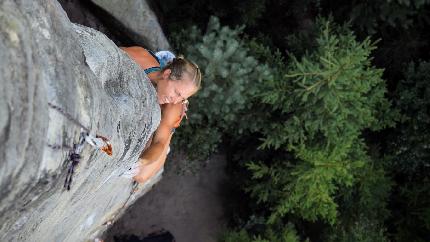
(185, 88)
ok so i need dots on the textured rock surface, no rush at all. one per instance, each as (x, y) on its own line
(41, 61)
(141, 22)
(82, 12)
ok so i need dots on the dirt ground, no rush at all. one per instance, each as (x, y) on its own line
(187, 205)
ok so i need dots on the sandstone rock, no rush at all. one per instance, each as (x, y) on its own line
(139, 20)
(46, 59)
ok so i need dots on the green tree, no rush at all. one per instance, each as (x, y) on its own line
(231, 80)
(287, 234)
(362, 230)
(311, 115)
(323, 104)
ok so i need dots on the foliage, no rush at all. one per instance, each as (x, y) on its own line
(236, 236)
(368, 16)
(320, 158)
(362, 230)
(332, 92)
(231, 78)
(326, 100)
(401, 24)
(409, 153)
(180, 13)
(412, 217)
(288, 234)
(364, 207)
(410, 149)
(305, 189)
(368, 199)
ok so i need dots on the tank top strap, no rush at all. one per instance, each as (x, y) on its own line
(153, 55)
(153, 68)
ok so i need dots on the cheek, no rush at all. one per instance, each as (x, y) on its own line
(159, 91)
(170, 89)
(165, 89)
(162, 87)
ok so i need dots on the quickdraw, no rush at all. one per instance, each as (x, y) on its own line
(74, 157)
(99, 141)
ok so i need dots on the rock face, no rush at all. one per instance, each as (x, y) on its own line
(46, 59)
(139, 20)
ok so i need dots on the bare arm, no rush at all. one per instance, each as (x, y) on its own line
(159, 143)
(141, 56)
(153, 158)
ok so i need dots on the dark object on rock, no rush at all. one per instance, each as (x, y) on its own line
(73, 159)
(159, 236)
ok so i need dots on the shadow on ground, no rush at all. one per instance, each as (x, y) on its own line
(189, 206)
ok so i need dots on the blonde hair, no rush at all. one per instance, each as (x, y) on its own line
(179, 65)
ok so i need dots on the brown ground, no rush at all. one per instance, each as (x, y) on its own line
(187, 205)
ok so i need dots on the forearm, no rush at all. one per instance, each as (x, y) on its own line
(149, 168)
(153, 158)
(155, 152)
(152, 154)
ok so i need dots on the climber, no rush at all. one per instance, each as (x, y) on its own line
(175, 82)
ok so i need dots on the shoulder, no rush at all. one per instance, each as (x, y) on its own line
(171, 114)
(141, 56)
(134, 50)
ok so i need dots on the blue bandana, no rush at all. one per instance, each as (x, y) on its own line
(164, 57)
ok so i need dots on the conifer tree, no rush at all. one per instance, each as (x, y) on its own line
(327, 98)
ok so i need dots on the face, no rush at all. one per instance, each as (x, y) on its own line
(174, 91)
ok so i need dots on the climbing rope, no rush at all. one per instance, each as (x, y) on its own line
(99, 142)
(74, 156)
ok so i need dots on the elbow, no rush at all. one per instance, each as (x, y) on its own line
(144, 162)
